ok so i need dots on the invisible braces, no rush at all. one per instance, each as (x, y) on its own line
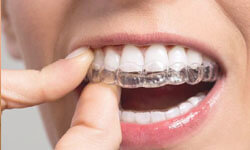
(173, 75)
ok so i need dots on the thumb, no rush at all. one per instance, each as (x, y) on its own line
(96, 123)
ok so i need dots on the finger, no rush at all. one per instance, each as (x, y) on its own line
(96, 123)
(31, 87)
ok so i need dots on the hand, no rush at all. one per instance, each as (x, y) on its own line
(95, 124)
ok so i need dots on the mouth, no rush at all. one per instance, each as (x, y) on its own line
(168, 88)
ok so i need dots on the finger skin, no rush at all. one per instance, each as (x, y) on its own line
(96, 123)
(23, 88)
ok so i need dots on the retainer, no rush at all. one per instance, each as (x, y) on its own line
(175, 74)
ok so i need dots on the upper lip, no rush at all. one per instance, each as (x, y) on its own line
(147, 39)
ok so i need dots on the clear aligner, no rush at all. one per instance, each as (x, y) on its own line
(173, 75)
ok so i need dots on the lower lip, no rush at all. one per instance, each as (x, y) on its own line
(166, 133)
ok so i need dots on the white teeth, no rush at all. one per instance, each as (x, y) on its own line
(142, 117)
(162, 66)
(201, 96)
(156, 58)
(194, 58)
(194, 100)
(173, 112)
(157, 116)
(132, 59)
(185, 107)
(99, 59)
(177, 58)
(128, 116)
(112, 59)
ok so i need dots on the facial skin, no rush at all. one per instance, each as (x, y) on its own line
(41, 32)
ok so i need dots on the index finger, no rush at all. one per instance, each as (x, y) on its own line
(25, 88)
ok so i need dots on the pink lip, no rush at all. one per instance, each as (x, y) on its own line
(169, 132)
(146, 39)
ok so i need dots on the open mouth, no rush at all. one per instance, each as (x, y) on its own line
(158, 82)
(167, 90)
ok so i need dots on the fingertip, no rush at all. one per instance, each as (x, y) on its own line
(98, 105)
(86, 55)
(82, 51)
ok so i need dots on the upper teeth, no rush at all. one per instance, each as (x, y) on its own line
(132, 59)
(112, 59)
(177, 58)
(157, 58)
(194, 58)
(99, 58)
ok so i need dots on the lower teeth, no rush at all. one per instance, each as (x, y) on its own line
(207, 72)
(153, 116)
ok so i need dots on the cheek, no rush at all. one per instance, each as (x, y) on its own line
(37, 25)
(241, 17)
(239, 13)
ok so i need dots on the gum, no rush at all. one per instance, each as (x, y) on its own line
(173, 75)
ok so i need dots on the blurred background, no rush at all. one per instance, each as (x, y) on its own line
(22, 129)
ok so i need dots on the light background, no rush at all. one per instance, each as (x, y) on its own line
(22, 129)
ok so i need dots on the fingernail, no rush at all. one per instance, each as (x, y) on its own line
(77, 52)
